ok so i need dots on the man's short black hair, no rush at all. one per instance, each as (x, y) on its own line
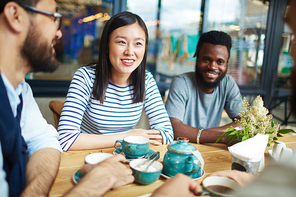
(215, 38)
(26, 2)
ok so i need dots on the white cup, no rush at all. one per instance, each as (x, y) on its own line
(95, 158)
(286, 154)
(277, 148)
(219, 186)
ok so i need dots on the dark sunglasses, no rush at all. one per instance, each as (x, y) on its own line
(57, 16)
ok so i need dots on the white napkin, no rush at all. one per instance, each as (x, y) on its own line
(251, 149)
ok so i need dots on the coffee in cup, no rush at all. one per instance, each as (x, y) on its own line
(219, 186)
(133, 146)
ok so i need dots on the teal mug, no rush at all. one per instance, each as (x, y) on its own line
(217, 186)
(133, 146)
(145, 177)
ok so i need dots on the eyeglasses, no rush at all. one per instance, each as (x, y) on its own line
(57, 16)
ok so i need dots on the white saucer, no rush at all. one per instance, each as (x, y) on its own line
(168, 177)
(270, 153)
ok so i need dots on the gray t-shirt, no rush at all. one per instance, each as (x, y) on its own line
(189, 104)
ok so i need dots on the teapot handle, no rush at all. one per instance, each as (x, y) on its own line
(199, 157)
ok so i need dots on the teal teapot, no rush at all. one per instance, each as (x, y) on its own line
(182, 157)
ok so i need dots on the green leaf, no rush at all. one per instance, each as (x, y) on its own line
(245, 138)
(285, 131)
(233, 138)
(220, 137)
(229, 129)
(279, 135)
(272, 123)
(233, 133)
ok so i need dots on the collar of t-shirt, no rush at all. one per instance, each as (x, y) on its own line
(12, 93)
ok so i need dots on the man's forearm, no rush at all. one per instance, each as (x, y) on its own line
(211, 135)
(42, 169)
(207, 136)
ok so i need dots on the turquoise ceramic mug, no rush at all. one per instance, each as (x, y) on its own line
(217, 186)
(145, 177)
(133, 146)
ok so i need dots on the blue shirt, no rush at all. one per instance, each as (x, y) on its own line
(193, 107)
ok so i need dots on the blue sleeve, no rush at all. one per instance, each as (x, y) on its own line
(177, 98)
(155, 110)
(74, 107)
(234, 100)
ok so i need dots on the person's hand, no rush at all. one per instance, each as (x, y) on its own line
(242, 178)
(179, 185)
(153, 135)
(100, 178)
(111, 170)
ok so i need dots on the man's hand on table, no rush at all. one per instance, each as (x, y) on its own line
(100, 178)
(179, 185)
(242, 178)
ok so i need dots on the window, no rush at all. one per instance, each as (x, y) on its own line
(245, 22)
(173, 34)
(82, 25)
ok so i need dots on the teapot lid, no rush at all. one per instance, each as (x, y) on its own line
(182, 146)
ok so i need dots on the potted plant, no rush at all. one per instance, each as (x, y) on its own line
(254, 119)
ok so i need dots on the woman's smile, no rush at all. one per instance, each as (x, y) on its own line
(126, 50)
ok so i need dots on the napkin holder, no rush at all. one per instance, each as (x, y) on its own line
(249, 154)
(251, 167)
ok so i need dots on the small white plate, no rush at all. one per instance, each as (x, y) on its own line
(168, 177)
(270, 153)
(95, 158)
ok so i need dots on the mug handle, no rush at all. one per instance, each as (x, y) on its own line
(118, 147)
(204, 192)
(199, 157)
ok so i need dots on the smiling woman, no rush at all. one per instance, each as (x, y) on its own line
(105, 101)
(126, 51)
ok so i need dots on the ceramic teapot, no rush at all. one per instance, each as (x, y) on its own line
(182, 157)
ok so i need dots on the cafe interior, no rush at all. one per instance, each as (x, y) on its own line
(259, 62)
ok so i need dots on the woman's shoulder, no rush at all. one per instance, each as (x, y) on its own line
(148, 75)
(89, 70)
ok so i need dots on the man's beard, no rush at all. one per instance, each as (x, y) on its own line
(204, 83)
(37, 53)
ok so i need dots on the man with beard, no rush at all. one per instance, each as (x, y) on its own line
(29, 29)
(277, 179)
(196, 100)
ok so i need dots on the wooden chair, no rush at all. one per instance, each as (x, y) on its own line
(56, 108)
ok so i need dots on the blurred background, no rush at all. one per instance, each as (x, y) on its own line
(259, 62)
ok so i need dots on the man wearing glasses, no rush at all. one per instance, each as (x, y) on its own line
(29, 29)
(27, 37)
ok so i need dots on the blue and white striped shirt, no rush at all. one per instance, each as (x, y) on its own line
(117, 115)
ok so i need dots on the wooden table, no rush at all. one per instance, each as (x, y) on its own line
(216, 157)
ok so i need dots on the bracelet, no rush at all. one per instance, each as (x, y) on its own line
(198, 136)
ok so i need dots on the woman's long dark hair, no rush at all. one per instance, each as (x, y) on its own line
(103, 68)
